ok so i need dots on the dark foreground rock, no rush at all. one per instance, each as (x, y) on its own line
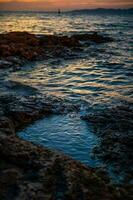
(114, 127)
(18, 47)
(28, 171)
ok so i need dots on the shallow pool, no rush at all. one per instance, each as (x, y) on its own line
(66, 133)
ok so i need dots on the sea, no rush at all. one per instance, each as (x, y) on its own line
(101, 75)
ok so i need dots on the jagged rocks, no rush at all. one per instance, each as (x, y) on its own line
(114, 127)
(19, 47)
(28, 171)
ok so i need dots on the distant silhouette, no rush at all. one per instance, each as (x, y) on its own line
(59, 11)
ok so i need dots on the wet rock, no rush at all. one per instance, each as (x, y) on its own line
(92, 37)
(28, 171)
(52, 40)
(16, 48)
(114, 127)
(6, 126)
(74, 40)
(19, 88)
(55, 176)
(21, 44)
(23, 109)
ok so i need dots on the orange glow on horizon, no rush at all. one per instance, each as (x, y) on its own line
(62, 4)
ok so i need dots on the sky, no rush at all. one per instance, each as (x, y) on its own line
(62, 4)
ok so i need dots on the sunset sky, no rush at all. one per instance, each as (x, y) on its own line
(62, 4)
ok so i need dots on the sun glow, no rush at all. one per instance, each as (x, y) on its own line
(63, 4)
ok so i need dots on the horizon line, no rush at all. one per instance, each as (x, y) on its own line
(68, 10)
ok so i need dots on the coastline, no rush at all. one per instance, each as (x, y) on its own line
(37, 171)
(17, 48)
(40, 172)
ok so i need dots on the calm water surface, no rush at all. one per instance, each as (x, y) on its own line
(65, 133)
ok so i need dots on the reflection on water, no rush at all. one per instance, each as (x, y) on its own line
(102, 73)
(67, 133)
(81, 79)
(42, 23)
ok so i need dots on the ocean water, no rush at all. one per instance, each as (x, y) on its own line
(101, 75)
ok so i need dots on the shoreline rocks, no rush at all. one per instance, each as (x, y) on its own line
(114, 128)
(17, 48)
(30, 171)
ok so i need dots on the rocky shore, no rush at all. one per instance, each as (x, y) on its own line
(114, 128)
(17, 48)
(28, 171)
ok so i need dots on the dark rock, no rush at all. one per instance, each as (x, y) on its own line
(21, 44)
(32, 172)
(114, 127)
(93, 37)
(19, 47)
